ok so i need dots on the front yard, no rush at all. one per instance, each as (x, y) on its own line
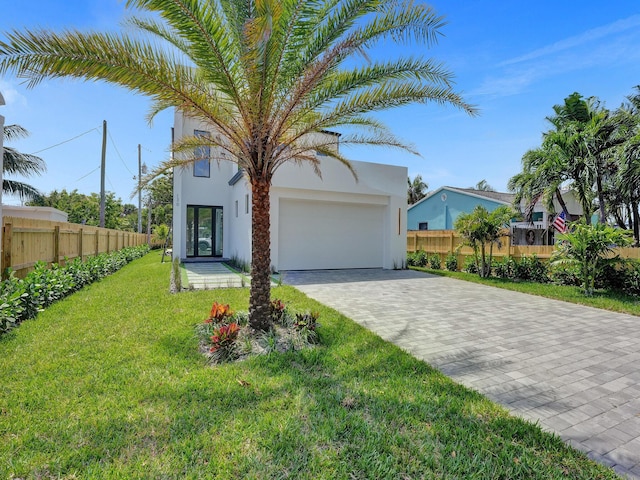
(109, 383)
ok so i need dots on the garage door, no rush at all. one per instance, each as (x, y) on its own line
(326, 235)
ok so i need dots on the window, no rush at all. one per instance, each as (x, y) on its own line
(423, 226)
(536, 217)
(202, 166)
(246, 203)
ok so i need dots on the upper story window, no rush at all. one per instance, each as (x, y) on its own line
(202, 166)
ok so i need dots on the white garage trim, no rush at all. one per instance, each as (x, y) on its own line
(328, 235)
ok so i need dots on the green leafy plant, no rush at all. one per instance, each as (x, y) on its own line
(590, 248)
(278, 311)
(481, 229)
(435, 263)
(22, 299)
(306, 324)
(451, 262)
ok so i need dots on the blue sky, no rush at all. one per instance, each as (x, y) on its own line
(513, 60)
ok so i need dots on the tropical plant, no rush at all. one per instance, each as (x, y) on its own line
(266, 75)
(590, 249)
(484, 186)
(480, 229)
(416, 189)
(15, 162)
(451, 262)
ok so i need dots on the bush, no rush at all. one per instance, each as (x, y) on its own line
(451, 262)
(417, 259)
(532, 269)
(506, 268)
(22, 299)
(470, 265)
(435, 262)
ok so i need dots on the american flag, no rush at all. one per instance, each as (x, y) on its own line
(560, 223)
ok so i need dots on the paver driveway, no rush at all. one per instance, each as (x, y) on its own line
(574, 369)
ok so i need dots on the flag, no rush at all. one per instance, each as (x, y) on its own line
(560, 223)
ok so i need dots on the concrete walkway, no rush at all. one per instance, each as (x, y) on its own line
(573, 369)
(207, 275)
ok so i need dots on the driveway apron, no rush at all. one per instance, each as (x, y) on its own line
(573, 369)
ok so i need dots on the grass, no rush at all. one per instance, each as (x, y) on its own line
(108, 383)
(605, 299)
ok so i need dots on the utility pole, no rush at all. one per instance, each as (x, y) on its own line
(149, 219)
(102, 172)
(1, 166)
(139, 189)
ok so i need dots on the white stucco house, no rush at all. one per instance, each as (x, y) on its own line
(316, 223)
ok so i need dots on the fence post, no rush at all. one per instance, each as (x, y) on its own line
(7, 236)
(97, 242)
(451, 242)
(56, 244)
(80, 246)
(108, 238)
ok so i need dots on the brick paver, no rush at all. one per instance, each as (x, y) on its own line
(573, 369)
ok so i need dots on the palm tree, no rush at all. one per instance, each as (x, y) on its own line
(416, 189)
(626, 183)
(266, 75)
(18, 163)
(484, 186)
(480, 228)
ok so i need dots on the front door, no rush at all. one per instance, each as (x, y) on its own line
(204, 231)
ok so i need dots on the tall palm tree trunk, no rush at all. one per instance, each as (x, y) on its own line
(259, 299)
(636, 222)
(563, 205)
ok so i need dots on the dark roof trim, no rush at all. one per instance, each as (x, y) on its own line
(236, 178)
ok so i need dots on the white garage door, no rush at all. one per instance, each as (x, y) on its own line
(325, 235)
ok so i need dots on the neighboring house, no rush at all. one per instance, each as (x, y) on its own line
(316, 223)
(37, 213)
(439, 209)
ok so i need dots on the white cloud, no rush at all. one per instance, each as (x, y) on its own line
(11, 95)
(578, 40)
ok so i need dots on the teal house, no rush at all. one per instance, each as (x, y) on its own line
(440, 208)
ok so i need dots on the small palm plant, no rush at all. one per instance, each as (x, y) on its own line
(590, 248)
(481, 229)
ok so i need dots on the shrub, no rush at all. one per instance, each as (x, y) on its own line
(506, 268)
(420, 258)
(470, 265)
(277, 310)
(22, 299)
(451, 262)
(225, 335)
(531, 268)
(435, 262)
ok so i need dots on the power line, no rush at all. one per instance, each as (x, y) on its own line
(118, 152)
(66, 141)
(85, 176)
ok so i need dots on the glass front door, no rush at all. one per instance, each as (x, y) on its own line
(204, 231)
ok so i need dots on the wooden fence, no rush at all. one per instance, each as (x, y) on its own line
(26, 241)
(444, 241)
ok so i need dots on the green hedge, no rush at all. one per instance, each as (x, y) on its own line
(21, 299)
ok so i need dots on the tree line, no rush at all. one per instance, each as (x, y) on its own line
(593, 151)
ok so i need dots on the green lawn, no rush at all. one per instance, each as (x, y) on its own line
(607, 300)
(108, 383)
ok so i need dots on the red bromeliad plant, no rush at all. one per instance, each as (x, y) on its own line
(219, 313)
(277, 310)
(224, 337)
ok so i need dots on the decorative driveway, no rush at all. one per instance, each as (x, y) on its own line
(573, 369)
